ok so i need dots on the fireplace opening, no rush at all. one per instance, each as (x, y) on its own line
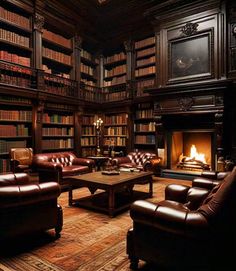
(191, 150)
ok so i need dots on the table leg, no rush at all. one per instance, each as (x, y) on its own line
(70, 196)
(150, 187)
(111, 202)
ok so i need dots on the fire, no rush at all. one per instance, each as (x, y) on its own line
(197, 156)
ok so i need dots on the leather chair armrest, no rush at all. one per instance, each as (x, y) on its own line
(120, 160)
(49, 166)
(209, 174)
(14, 164)
(14, 179)
(84, 162)
(195, 197)
(177, 192)
(205, 183)
(168, 219)
(20, 195)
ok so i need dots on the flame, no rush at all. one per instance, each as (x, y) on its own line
(197, 156)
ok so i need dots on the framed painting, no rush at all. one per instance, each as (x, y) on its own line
(190, 58)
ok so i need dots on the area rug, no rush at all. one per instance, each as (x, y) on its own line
(90, 241)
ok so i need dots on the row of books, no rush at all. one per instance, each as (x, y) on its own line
(144, 139)
(145, 71)
(55, 118)
(14, 38)
(146, 61)
(16, 115)
(115, 81)
(145, 113)
(118, 141)
(58, 144)
(60, 90)
(144, 127)
(144, 84)
(6, 145)
(88, 82)
(14, 130)
(56, 131)
(88, 130)
(143, 43)
(116, 119)
(145, 52)
(13, 99)
(58, 80)
(57, 56)
(86, 69)
(88, 93)
(88, 120)
(87, 55)
(56, 38)
(9, 68)
(5, 55)
(14, 18)
(115, 96)
(57, 73)
(110, 131)
(88, 152)
(14, 80)
(115, 58)
(4, 165)
(115, 71)
(88, 141)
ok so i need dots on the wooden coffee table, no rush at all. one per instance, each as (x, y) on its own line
(118, 195)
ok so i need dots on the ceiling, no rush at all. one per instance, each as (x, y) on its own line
(110, 21)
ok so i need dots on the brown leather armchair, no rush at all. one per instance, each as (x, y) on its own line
(21, 159)
(60, 166)
(192, 229)
(141, 160)
(27, 208)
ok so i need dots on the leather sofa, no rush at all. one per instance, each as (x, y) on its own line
(192, 229)
(26, 207)
(60, 166)
(145, 161)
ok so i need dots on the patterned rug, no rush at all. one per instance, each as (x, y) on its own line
(89, 241)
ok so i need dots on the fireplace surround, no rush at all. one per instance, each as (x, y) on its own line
(191, 115)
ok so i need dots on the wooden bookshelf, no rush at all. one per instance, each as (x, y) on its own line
(145, 64)
(88, 135)
(115, 69)
(115, 130)
(144, 127)
(57, 130)
(15, 127)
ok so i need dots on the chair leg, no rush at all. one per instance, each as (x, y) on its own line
(134, 263)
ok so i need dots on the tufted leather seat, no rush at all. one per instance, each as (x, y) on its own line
(60, 166)
(26, 207)
(192, 229)
(141, 160)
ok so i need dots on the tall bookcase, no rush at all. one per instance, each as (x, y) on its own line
(57, 62)
(57, 129)
(144, 127)
(88, 69)
(116, 132)
(88, 135)
(16, 45)
(115, 69)
(145, 63)
(15, 126)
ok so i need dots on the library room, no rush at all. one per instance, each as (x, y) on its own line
(117, 135)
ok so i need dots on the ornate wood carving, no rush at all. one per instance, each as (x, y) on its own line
(189, 29)
(219, 133)
(185, 103)
(78, 41)
(129, 45)
(38, 22)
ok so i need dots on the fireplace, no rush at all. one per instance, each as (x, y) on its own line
(191, 150)
(190, 121)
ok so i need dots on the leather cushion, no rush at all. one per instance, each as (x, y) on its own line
(73, 170)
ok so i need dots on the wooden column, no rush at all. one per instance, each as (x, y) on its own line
(37, 40)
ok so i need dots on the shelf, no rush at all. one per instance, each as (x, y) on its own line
(88, 146)
(144, 132)
(123, 124)
(88, 61)
(58, 45)
(58, 124)
(58, 136)
(145, 56)
(145, 75)
(57, 62)
(116, 75)
(115, 63)
(16, 26)
(16, 45)
(115, 135)
(146, 144)
(145, 46)
(145, 65)
(56, 149)
(15, 137)
(88, 135)
(88, 76)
